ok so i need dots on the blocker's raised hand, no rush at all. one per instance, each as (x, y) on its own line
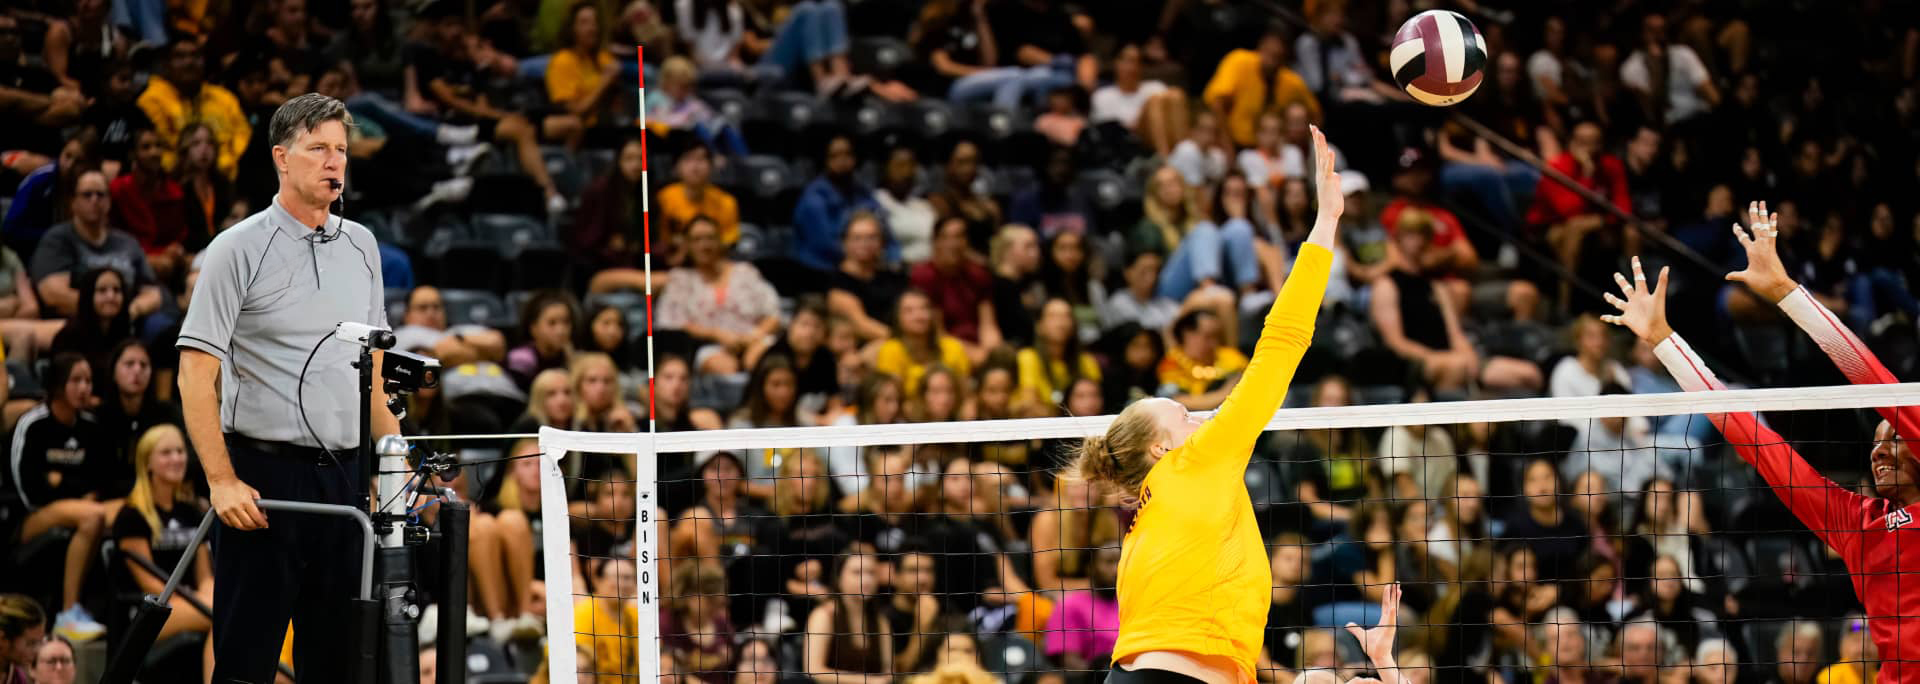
(1644, 311)
(1764, 272)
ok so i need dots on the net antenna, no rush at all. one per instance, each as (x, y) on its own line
(562, 657)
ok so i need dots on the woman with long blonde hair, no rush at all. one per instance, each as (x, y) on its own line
(598, 406)
(550, 401)
(802, 486)
(1194, 579)
(156, 524)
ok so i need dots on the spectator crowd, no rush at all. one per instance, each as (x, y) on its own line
(874, 211)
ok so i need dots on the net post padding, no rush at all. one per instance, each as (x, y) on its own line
(555, 444)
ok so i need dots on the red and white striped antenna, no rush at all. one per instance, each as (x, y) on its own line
(646, 233)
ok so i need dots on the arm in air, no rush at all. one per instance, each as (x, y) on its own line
(1768, 278)
(1227, 438)
(1823, 506)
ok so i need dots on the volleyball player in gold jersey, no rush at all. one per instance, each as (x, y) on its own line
(1194, 579)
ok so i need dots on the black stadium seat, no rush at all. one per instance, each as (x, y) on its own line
(879, 55)
(479, 307)
(729, 103)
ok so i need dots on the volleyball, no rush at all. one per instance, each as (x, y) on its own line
(1438, 57)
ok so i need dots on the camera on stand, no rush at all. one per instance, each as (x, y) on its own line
(398, 475)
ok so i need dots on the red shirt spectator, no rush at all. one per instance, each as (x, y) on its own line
(1446, 226)
(958, 295)
(147, 202)
(956, 283)
(154, 212)
(1594, 170)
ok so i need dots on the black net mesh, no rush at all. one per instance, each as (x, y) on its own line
(1564, 551)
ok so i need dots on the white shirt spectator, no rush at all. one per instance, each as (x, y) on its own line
(1626, 458)
(1544, 67)
(1154, 314)
(1110, 103)
(710, 47)
(1341, 59)
(1570, 379)
(1198, 166)
(1429, 458)
(910, 219)
(1686, 74)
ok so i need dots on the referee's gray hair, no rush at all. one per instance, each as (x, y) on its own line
(303, 114)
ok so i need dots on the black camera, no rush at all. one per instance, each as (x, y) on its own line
(406, 372)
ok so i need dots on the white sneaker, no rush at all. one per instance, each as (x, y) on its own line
(456, 135)
(449, 190)
(477, 624)
(76, 625)
(523, 628)
(463, 157)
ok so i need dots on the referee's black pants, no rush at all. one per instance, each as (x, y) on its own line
(302, 568)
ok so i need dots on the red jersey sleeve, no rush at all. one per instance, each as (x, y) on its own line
(1830, 510)
(1849, 354)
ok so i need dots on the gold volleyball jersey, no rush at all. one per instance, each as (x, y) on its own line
(1194, 575)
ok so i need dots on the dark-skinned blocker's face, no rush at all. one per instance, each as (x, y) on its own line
(1896, 474)
(314, 158)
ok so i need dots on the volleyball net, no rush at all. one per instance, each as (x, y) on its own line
(1579, 539)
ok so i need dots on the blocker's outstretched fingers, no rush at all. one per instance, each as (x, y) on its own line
(1626, 288)
(1617, 302)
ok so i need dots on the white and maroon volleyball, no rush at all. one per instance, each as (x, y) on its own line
(1438, 57)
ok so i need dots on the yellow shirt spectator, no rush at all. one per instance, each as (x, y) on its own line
(1046, 380)
(214, 106)
(893, 359)
(570, 76)
(678, 208)
(1239, 77)
(609, 629)
(1844, 673)
(1193, 377)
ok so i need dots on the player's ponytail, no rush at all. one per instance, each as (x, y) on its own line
(1117, 460)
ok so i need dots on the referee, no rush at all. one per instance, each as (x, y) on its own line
(271, 288)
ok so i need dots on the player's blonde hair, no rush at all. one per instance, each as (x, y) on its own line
(1118, 460)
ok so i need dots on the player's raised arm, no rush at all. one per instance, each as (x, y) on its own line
(1823, 506)
(1229, 436)
(1768, 278)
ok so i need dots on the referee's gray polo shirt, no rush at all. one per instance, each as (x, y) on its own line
(269, 289)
